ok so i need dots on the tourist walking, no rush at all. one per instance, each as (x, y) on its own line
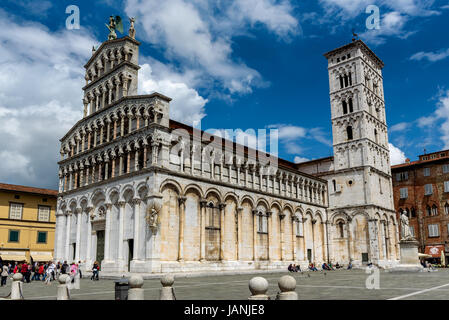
(40, 271)
(58, 269)
(95, 271)
(64, 268)
(79, 269)
(4, 275)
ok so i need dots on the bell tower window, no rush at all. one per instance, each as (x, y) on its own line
(349, 132)
(345, 107)
(351, 109)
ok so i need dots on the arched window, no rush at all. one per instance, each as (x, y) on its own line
(413, 213)
(351, 109)
(429, 211)
(346, 80)
(341, 82)
(434, 210)
(345, 107)
(341, 230)
(350, 79)
(446, 208)
(376, 137)
(349, 132)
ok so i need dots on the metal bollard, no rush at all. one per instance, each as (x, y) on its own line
(135, 291)
(287, 284)
(258, 287)
(63, 290)
(16, 287)
(167, 291)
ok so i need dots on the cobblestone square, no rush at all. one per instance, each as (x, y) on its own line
(333, 285)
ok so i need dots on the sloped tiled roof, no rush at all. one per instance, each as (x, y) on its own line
(17, 188)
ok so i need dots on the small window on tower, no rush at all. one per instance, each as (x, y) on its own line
(345, 107)
(349, 132)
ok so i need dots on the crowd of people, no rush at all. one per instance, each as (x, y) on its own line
(325, 266)
(45, 271)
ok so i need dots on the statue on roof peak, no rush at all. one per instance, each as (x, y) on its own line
(114, 24)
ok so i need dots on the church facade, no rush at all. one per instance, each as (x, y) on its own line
(141, 192)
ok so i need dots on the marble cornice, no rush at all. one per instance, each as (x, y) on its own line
(130, 137)
(156, 169)
(112, 105)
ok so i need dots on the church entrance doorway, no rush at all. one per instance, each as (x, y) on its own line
(130, 252)
(309, 255)
(100, 245)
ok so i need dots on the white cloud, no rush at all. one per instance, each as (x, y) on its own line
(402, 126)
(395, 16)
(431, 56)
(276, 16)
(299, 159)
(442, 113)
(397, 156)
(187, 105)
(392, 24)
(40, 97)
(199, 35)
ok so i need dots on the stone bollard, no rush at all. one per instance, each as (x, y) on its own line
(287, 284)
(258, 287)
(135, 291)
(16, 286)
(63, 291)
(167, 292)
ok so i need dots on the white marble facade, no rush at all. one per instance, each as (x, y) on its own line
(138, 194)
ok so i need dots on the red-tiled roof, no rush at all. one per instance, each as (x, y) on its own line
(13, 187)
(413, 163)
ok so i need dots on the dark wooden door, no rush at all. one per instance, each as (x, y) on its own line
(100, 246)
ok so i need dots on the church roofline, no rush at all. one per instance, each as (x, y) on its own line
(284, 164)
(109, 42)
(331, 158)
(358, 43)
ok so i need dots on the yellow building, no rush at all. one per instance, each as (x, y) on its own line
(27, 223)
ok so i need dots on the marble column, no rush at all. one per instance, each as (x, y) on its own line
(222, 206)
(270, 232)
(203, 204)
(239, 231)
(78, 233)
(107, 237)
(294, 244)
(182, 208)
(136, 248)
(255, 214)
(121, 230)
(67, 238)
(281, 233)
(89, 257)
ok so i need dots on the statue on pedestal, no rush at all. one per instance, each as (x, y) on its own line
(405, 227)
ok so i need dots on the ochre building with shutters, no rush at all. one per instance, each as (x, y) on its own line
(27, 223)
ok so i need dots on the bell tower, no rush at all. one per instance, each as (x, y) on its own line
(358, 108)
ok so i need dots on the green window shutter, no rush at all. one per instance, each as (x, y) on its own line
(42, 237)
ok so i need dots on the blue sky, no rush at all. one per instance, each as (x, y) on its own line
(248, 64)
